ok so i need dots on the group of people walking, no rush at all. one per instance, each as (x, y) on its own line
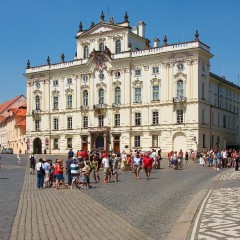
(80, 167)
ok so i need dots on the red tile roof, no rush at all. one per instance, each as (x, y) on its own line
(21, 123)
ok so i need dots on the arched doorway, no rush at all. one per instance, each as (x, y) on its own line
(100, 143)
(179, 142)
(37, 146)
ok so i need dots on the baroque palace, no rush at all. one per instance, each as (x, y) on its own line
(119, 93)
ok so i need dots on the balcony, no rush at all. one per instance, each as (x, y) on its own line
(36, 111)
(100, 106)
(84, 107)
(179, 99)
(116, 105)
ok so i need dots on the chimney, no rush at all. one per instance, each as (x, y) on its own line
(156, 42)
(141, 29)
(135, 30)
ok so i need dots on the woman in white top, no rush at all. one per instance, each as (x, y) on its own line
(106, 169)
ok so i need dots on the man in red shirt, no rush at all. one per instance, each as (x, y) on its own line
(147, 164)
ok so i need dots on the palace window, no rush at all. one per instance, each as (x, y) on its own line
(85, 98)
(179, 116)
(85, 52)
(137, 119)
(101, 47)
(154, 140)
(180, 90)
(37, 102)
(100, 120)
(101, 96)
(55, 83)
(55, 102)
(55, 143)
(137, 72)
(155, 70)
(117, 95)
(69, 123)
(137, 141)
(155, 118)
(137, 96)
(55, 123)
(224, 121)
(69, 142)
(37, 125)
(204, 140)
(85, 78)
(85, 121)
(118, 46)
(155, 92)
(117, 120)
(69, 101)
(69, 81)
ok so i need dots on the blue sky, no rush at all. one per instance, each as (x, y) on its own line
(35, 29)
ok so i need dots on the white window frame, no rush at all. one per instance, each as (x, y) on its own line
(69, 123)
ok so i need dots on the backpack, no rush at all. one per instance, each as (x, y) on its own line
(32, 159)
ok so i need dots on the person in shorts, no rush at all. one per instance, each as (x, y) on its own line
(147, 164)
(58, 173)
(106, 169)
(137, 165)
(74, 172)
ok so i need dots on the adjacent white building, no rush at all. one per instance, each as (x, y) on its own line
(120, 93)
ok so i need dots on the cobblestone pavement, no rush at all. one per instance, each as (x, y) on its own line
(130, 209)
(66, 214)
(219, 216)
(11, 181)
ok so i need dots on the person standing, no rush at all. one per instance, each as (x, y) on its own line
(32, 161)
(137, 165)
(40, 176)
(70, 153)
(147, 164)
(46, 166)
(115, 166)
(106, 169)
(237, 161)
(186, 157)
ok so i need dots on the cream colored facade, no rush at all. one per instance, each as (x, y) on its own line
(119, 93)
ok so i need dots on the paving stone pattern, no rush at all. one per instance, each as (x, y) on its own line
(66, 214)
(220, 219)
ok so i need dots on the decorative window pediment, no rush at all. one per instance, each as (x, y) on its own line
(37, 92)
(180, 75)
(69, 91)
(117, 83)
(55, 93)
(155, 81)
(137, 83)
(101, 85)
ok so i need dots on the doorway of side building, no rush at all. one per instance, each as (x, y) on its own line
(100, 143)
(116, 144)
(179, 142)
(37, 146)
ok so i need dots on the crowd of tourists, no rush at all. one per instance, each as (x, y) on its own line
(213, 158)
(81, 166)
